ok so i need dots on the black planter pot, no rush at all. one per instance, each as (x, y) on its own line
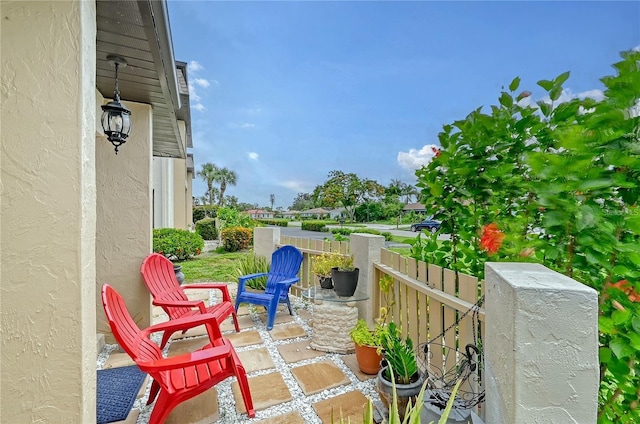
(179, 274)
(325, 282)
(344, 282)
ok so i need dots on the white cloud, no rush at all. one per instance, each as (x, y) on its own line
(568, 95)
(636, 48)
(199, 107)
(193, 95)
(296, 186)
(202, 82)
(195, 66)
(414, 159)
(253, 155)
(247, 125)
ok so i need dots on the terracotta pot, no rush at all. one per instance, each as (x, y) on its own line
(405, 392)
(368, 359)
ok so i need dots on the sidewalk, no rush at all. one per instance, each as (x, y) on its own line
(290, 382)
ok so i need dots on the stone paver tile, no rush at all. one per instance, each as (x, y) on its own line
(118, 359)
(256, 360)
(289, 331)
(351, 405)
(198, 294)
(243, 309)
(202, 409)
(244, 338)
(293, 417)
(143, 387)
(282, 317)
(351, 362)
(200, 330)
(160, 319)
(244, 321)
(157, 311)
(266, 390)
(298, 351)
(178, 347)
(304, 314)
(314, 378)
(132, 418)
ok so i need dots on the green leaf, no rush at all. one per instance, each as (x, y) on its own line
(605, 324)
(605, 354)
(546, 84)
(555, 93)
(620, 348)
(620, 317)
(560, 79)
(506, 100)
(514, 84)
(634, 338)
(545, 108)
(635, 323)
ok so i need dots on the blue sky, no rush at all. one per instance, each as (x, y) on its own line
(284, 92)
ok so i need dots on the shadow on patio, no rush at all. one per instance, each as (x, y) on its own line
(290, 382)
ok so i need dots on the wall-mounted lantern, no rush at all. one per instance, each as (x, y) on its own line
(116, 119)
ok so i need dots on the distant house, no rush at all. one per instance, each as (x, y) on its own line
(290, 214)
(315, 213)
(415, 207)
(337, 213)
(259, 213)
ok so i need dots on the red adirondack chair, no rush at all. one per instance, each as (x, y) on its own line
(182, 377)
(167, 293)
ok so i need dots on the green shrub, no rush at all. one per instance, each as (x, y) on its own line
(206, 227)
(232, 218)
(205, 211)
(236, 238)
(252, 264)
(320, 226)
(278, 222)
(177, 244)
(346, 231)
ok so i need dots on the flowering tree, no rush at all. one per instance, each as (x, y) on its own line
(346, 190)
(555, 183)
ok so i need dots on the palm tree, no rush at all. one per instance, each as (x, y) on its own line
(208, 172)
(224, 176)
(409, 192)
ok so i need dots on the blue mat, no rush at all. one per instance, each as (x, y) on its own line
(116, 391)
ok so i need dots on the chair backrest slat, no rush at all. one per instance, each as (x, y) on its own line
(160, 278)
(285, 264)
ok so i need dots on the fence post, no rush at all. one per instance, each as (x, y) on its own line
(541, 346)
(365, 249)
(265, 241)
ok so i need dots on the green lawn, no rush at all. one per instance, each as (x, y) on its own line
(212, 266)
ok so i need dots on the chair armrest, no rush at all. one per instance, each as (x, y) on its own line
(289, 282)
(243, 279)
(181, 303)
(216, 286)
(182, 323)
(188, 359)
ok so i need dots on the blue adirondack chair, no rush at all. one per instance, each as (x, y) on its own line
(285, 264)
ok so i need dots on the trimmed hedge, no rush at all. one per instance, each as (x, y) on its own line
(206, 227)
(204, 211)
(320, 226)
(177, 244)
(278, 222)
(236, 238)
(346, 231)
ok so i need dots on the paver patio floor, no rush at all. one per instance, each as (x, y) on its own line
(289, 381)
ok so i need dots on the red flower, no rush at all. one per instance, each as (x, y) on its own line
(435, 151)
(626, 288)
(491, 239)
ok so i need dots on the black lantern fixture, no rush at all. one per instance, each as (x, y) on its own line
(116, 119)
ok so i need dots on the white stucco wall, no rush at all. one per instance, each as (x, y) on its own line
(163, 193)
(124, 217)
(180, 194)
(47, 224)
(541, 346)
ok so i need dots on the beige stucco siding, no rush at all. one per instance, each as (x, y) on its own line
(124, 218)
(180, 193)
(47, 212)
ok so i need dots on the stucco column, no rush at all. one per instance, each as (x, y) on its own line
(47, 163)
(541, 346)
(366, 250)
(124, 217)
(265, 241)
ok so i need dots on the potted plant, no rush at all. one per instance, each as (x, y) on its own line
(345, 276)
(367, 344)
(399, 356)
(322, 265)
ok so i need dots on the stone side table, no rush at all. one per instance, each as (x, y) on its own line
(333, 318)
